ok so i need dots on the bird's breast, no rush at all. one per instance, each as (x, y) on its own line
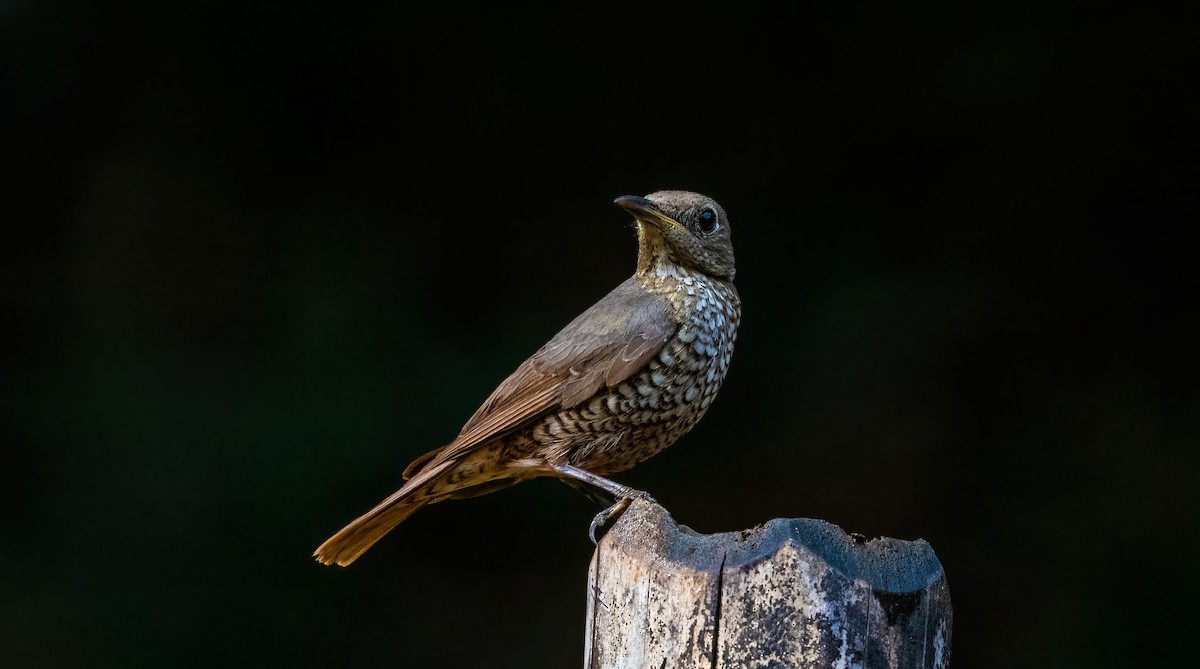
(701, 350)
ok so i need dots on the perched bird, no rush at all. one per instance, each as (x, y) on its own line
(620, 383)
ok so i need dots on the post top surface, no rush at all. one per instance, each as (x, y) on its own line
(887, 565)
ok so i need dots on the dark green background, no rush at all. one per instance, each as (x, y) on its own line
(256, 258)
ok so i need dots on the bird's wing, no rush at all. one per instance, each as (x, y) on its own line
(604, 346)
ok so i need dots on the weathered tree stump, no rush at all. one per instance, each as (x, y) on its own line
(793, 593)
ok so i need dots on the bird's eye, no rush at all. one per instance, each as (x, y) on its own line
(708, 221)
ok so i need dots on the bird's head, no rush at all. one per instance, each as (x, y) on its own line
(681, 228)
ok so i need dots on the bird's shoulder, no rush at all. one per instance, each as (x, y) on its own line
(626, 319)
(605, 345)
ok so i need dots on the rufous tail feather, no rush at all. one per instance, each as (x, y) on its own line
(354, 539)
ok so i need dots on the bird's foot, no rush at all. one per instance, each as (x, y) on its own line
(642, 495)
(607, 515)
(613, 512)
(622, 493)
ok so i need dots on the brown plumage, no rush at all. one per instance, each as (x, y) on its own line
(620, 383)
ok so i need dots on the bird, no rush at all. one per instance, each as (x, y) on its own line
(620, 383)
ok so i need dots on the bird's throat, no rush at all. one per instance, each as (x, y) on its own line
(655, 260)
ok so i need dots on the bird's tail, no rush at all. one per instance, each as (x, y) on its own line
(354, 539)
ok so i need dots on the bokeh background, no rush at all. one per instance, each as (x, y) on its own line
(257, 257)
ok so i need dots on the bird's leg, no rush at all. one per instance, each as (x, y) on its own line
(623, 494)
(611, 487)
(600, 497)
(612, 505)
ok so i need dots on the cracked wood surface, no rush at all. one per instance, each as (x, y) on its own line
(792, 593)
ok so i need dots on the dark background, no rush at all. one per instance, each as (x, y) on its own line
(258, 258)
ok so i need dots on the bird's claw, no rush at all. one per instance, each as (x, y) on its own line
(613, 512)
(604, 517)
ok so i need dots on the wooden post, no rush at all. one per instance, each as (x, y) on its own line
(793, 593)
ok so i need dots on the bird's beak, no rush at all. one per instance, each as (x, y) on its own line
(645, 210)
